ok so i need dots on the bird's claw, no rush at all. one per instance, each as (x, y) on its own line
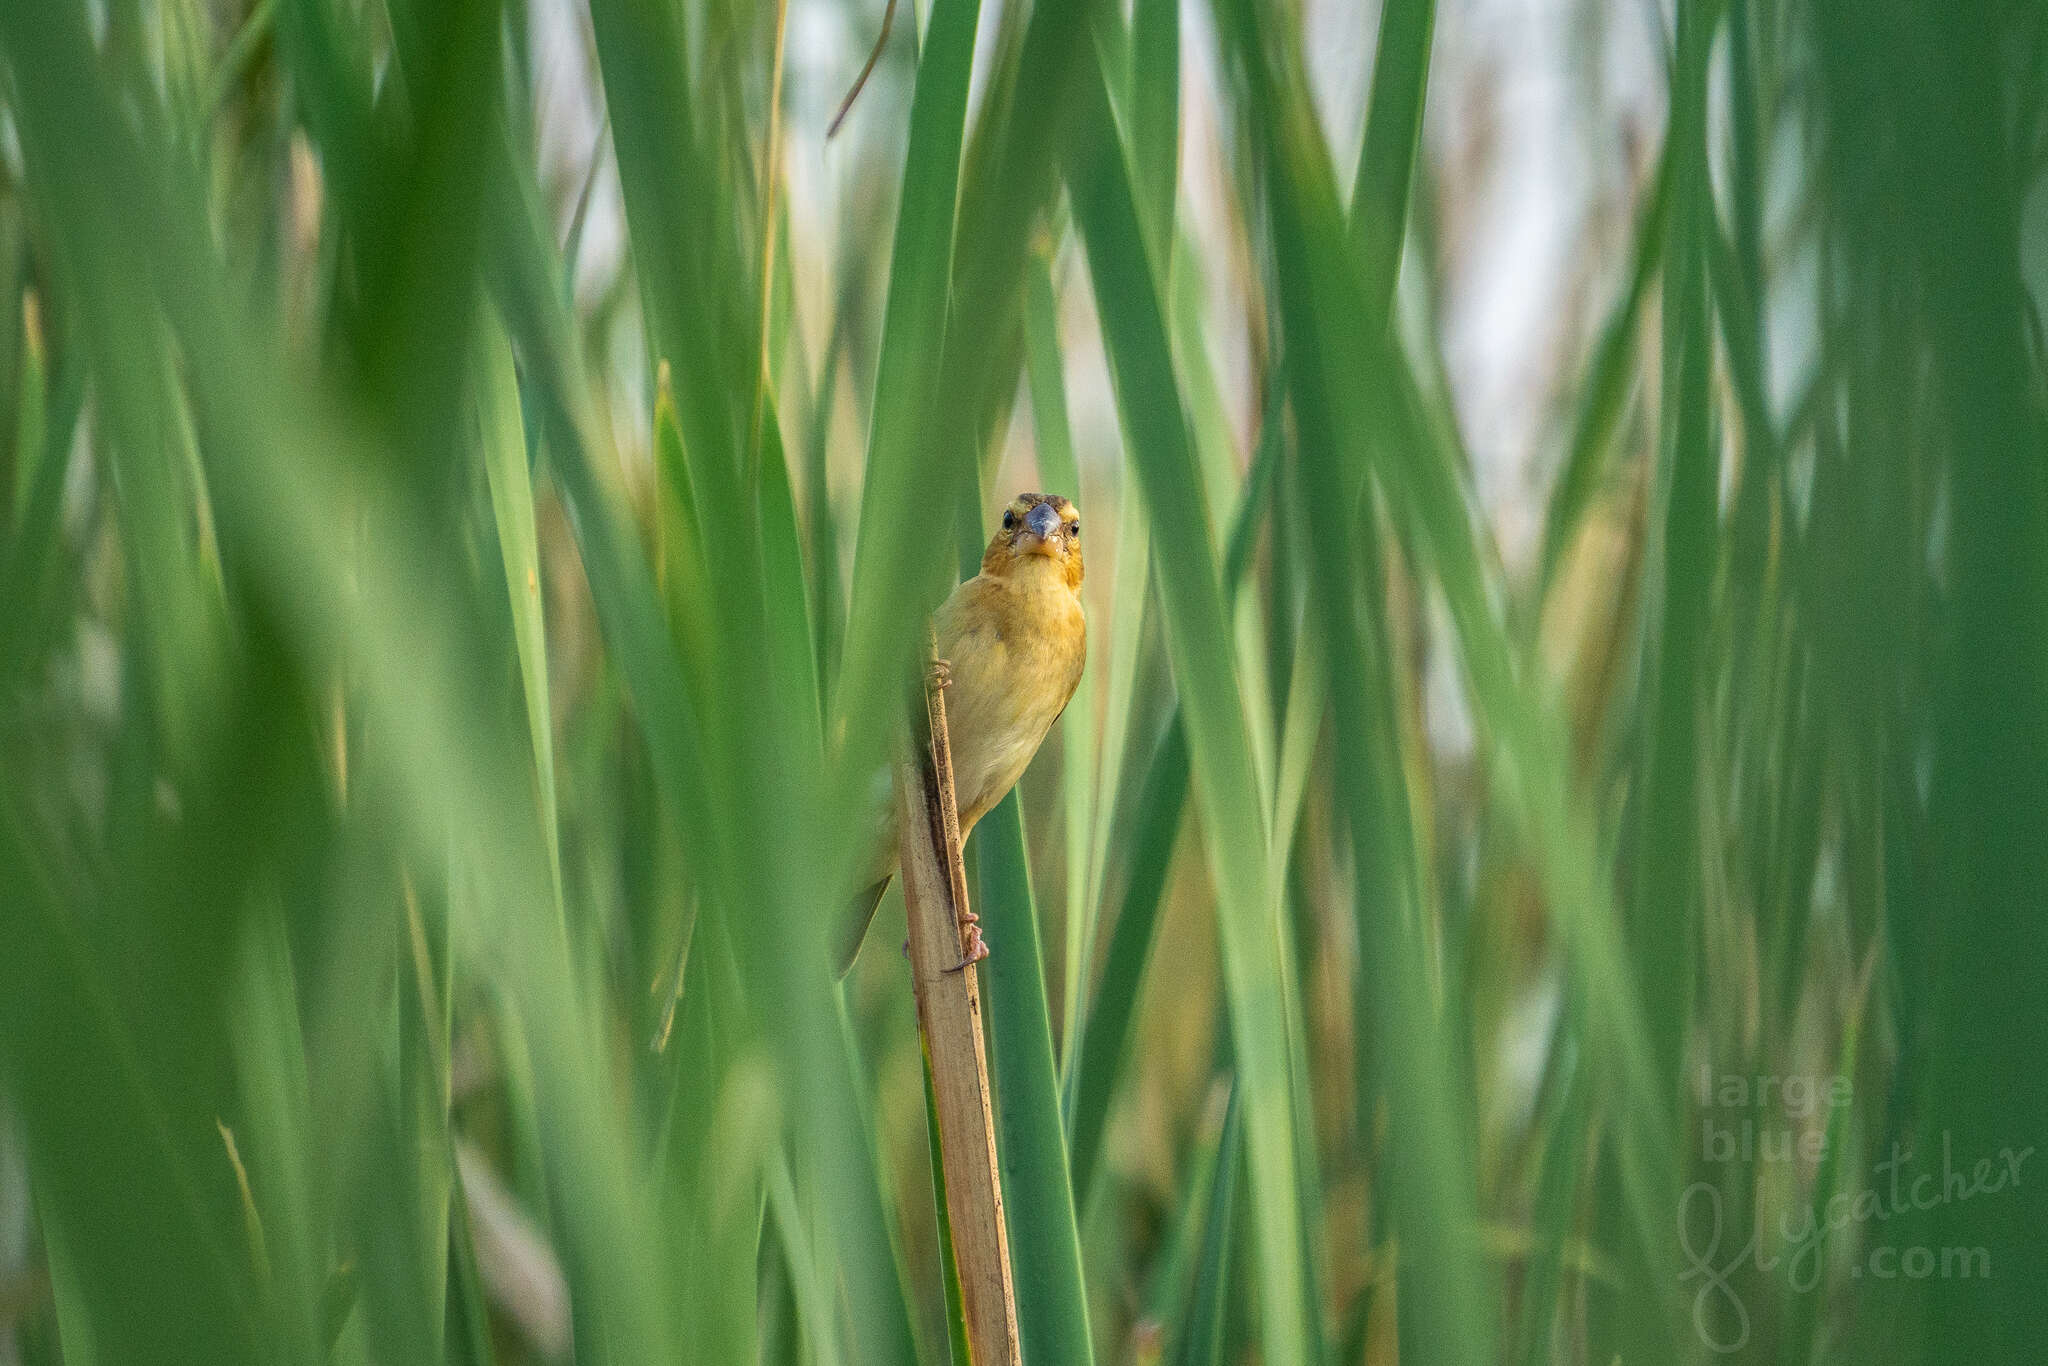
(977, 949)
(939, 674)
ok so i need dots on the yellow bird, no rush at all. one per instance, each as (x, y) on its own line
(1012, 641)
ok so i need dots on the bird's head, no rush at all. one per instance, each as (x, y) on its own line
(1039, 532)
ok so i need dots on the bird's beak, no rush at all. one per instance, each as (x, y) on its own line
(1043, 521)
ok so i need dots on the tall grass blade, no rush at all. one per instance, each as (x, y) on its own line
(505, 460)
(892, 584)
(1201, 1342)
(1080, 739)
(1219, 741)
(1148, 855)
(1045, 1244)
(1155, 813)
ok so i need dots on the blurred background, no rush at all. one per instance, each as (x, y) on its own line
(1547, 859)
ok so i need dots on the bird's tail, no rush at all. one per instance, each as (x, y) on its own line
(860, 913)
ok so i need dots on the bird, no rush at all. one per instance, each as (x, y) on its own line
(1012, 641)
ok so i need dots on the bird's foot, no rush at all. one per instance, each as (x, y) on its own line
(977, 949)
(938, 674)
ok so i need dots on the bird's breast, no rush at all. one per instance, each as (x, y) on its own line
(1016, 656)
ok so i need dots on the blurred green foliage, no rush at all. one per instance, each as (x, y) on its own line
(440, 700)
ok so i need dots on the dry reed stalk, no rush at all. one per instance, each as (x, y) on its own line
(949, 1015)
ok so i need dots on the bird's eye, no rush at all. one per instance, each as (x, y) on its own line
(1010, 520)
(1074, 529)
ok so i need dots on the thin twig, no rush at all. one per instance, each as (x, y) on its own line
(874, 55)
